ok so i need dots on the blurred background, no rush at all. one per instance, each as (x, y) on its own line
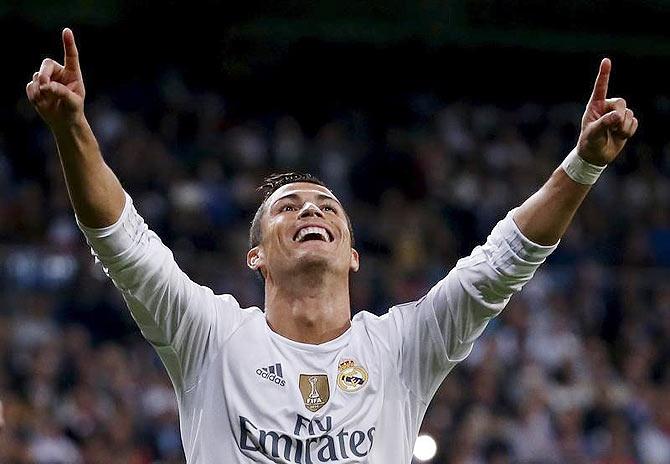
(429, 120)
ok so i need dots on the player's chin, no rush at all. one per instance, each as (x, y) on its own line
(314, 259)
(319, 256)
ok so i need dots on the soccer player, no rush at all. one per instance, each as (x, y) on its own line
(300, 381)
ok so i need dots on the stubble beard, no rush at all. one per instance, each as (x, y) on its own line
(312, 270)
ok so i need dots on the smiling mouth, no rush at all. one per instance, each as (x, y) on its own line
(312, 233)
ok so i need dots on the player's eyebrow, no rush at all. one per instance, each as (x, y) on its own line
(295, 196)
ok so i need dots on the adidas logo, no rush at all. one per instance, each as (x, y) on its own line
(272, 373)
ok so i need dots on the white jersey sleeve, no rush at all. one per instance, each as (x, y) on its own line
(439, 330)
(181, 319)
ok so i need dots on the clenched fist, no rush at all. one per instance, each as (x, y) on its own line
(57, 91)
(607, 123)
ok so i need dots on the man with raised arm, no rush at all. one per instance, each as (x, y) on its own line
(300, 381)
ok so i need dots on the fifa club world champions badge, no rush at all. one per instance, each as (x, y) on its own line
(351, 377)
(315, 390)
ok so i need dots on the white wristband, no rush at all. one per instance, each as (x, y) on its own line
(579, 170)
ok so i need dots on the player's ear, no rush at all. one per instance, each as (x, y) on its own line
(354, 264)
(255, 258)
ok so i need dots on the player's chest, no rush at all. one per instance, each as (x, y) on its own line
(283, 381)
(283, 404)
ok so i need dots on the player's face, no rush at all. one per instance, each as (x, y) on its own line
(304, 226)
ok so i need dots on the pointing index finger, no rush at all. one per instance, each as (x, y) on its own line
(70, 48)
(600, 87)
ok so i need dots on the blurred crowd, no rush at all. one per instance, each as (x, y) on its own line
(574, 371)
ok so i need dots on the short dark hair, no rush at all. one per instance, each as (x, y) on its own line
(271, 184)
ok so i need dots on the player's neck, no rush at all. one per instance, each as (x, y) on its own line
(314, 312)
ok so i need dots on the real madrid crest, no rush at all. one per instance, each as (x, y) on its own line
(350, 376)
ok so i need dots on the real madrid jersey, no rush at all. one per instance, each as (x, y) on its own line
(247, 394)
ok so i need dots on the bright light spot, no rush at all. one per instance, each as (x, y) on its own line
(425, 448)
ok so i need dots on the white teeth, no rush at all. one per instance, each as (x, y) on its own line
(312, 230)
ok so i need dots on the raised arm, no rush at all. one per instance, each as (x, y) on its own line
(57, 93)
(439, 330)
(606, 126)
(184, 321)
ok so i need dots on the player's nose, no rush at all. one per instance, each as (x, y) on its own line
(310, 209)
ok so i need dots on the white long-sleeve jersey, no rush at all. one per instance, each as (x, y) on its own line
(247, 394)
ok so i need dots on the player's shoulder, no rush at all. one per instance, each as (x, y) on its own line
(368, 318)
(227, 301)
(376, 329)
(390, 322)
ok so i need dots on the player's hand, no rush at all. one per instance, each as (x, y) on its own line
(607, 123)
(57, 91)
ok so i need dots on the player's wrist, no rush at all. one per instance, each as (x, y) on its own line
(69, 126)
(580, 170)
